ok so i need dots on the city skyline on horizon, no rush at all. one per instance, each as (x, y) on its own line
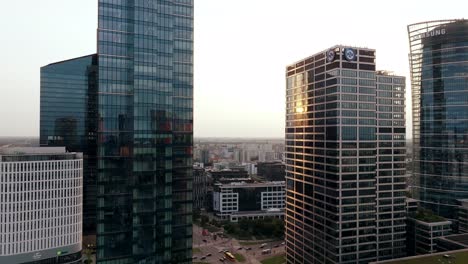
(217, 110)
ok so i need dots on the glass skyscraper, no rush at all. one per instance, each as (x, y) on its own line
(142, 126)
(439, 70)
(68, 118)
(345, 159)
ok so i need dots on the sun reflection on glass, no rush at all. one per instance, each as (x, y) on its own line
(300, 109)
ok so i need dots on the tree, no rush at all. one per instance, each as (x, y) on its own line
(196, 215)
(244, 224)
(229, 228)
(204, 220)
(216, 223)
(88, 259)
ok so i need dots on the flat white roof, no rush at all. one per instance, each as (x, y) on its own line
(32, 150)
(252, 185)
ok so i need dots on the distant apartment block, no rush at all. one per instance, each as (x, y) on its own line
(205, 156)
(235, 201)
(251, 168)
(41, 210)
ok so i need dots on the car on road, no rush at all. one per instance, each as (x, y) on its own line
(204, 240)
(277, 245)
(282, 243)
(202, 258)
(208, 255)
(221, 259)
(249, 248)
(221, 251)
(194, 257)
(240, 248)
(263, 245)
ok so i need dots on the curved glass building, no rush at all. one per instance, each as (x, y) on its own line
(439, 76)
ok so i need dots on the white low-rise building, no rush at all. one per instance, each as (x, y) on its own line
(40, 205)
(239, 200)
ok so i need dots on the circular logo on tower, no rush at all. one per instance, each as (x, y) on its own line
(349, 54)
(330, 55)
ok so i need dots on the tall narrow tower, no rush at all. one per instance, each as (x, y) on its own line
(145, 125)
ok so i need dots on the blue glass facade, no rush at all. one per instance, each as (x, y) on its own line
(143, 131)
(68, 118)
(439, 64)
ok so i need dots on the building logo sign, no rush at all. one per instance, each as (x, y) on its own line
(38, 255)
(350, 55)
(330, 56)
(432, 33)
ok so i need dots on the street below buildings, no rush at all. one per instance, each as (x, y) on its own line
(207, 249)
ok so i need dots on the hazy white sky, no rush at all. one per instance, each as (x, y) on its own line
(241, 50)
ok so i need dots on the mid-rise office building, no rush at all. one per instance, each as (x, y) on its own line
(345, 159)
(271, 171)
(41, 192)
(452, 242)
(251, 168)
(462, 216)
(239, 173)
(439, 66)
(423, 231)
(200, 188)
(238, 200)
(440, 257)
(138, 129)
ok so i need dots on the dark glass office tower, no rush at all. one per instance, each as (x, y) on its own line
(68, 118)
(439, 70)
(345, 159)
(143, 130)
